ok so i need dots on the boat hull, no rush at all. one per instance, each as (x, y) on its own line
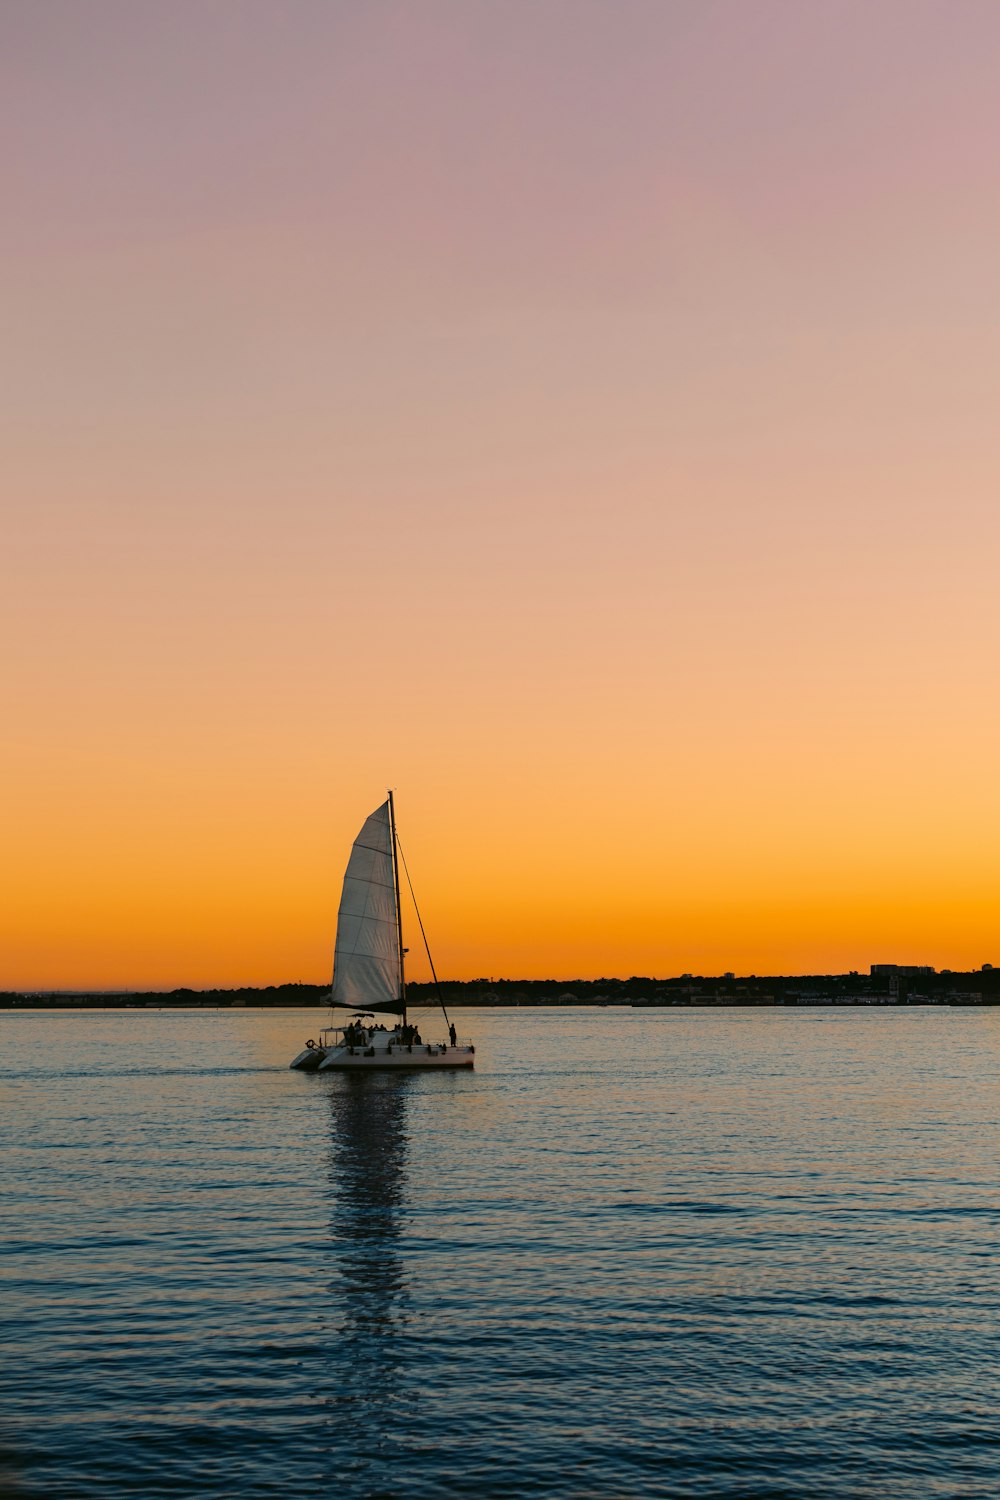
(308, 1059)
(355, 1048)
(400, 1057)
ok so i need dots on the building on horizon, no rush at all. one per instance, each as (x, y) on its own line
(907, 971)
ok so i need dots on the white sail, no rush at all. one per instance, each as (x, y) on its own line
(366, 956)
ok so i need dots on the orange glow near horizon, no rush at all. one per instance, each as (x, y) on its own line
(594, 438)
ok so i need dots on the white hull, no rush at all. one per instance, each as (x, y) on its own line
(401, 1057)
(308, 1060)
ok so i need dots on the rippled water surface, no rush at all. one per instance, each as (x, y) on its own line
(733, 1253)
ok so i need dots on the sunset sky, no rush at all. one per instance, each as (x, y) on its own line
(583, 417)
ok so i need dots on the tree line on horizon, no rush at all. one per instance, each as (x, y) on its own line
(681, 989)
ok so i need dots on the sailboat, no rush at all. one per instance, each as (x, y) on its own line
(368, 968)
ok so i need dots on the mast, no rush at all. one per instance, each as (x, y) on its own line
(399, 911)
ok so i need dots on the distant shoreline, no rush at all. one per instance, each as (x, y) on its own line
(92, 1003)
(888, 985)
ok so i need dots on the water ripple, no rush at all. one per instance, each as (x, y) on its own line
(738, 1254)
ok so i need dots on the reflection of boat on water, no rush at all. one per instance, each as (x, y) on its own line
(368, 972)
(366, 1297)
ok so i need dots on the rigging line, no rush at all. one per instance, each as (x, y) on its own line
(420, 920)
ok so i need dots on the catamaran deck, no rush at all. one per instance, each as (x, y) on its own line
(360, 1047)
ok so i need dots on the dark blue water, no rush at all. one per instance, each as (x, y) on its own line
(735, 1253)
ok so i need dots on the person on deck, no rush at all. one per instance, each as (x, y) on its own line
(453, 1034)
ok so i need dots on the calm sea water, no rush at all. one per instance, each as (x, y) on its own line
(734, 1253)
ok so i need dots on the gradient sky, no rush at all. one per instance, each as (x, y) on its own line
(580, 416)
